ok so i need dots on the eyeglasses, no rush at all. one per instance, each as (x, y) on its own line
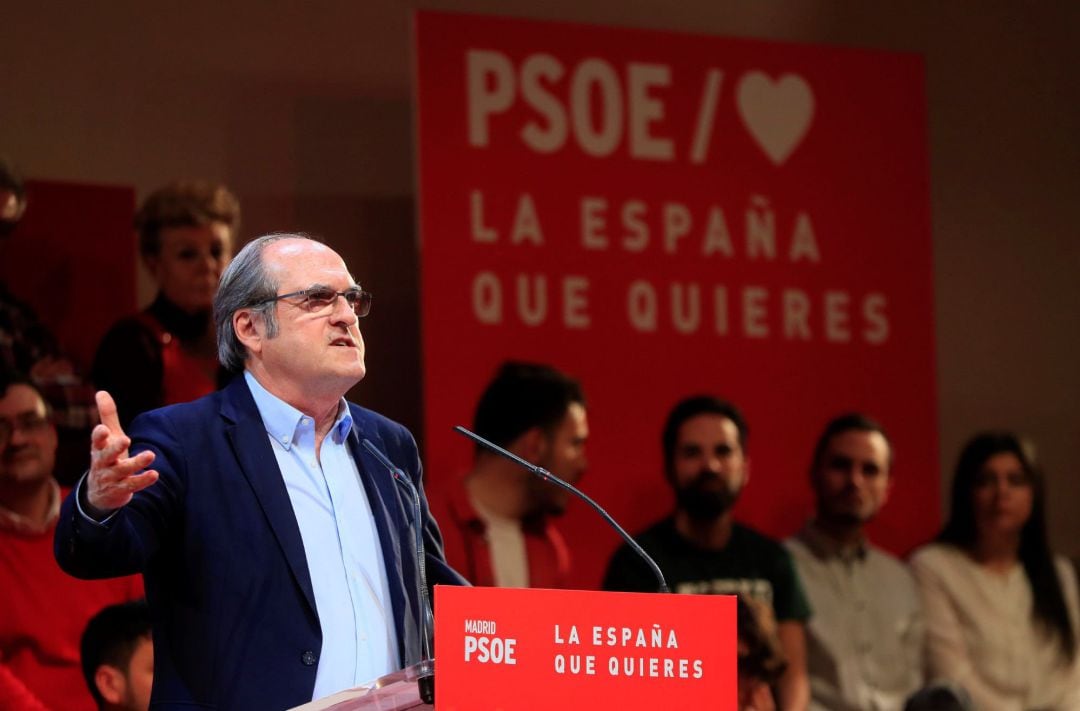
(30, 423)
(321, 298)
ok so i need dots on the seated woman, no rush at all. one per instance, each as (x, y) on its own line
(1001, 609)
(167, 353)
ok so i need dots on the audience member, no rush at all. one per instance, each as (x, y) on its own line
(864, 645)
(118, 657)
(167, 353)
(701, 549)
(28, 346)
(42, 610)
(503, 517)
(760, 660)
(1001, 608)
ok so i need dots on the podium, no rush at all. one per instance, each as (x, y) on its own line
(503, 649)
(394, 692)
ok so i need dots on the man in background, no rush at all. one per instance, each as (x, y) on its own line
(42, 610)
(504, 515)
(701, 549)
(118, 657)
(865, 642)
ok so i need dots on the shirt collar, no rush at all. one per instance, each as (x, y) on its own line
(17, 523)
(282, 420)
(824, 546)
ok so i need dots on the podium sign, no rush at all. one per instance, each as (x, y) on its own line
(517, 649)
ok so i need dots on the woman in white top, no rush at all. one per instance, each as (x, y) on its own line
(1001, 610)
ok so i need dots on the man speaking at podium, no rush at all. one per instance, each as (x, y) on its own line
(277, 554)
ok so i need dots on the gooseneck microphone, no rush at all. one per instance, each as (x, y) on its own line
(426, 682)
(552, 479)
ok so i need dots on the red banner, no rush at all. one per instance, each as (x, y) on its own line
(663, 215)
(545, 649)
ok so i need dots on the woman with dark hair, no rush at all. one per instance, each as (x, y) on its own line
(1001, 609)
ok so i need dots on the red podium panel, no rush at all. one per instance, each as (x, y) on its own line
(511, 649)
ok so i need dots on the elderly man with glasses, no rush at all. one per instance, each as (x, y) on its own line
(275, 548)
(42, 610)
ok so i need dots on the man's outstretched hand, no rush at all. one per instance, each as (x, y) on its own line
(114, 476)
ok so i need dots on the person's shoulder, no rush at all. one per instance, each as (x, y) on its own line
(131, 327)
(662, 530)
(934, 552)
(887, 564)
(744, 536)
(938, 557)
(1066, 569)
(184, 415)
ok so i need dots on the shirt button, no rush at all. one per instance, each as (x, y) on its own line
(308, 658)
(284, 440)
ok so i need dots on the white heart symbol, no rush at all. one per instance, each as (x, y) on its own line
(778, 114)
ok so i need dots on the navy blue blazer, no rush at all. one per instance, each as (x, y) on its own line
(235, 624)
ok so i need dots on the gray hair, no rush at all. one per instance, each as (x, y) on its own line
(244, 284)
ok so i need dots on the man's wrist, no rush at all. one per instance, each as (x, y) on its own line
(86, 508)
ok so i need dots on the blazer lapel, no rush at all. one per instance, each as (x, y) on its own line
(395, 534)
(247, 435)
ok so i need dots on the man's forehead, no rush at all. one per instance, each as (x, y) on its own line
(710, 426)
(21, 398)
(304, 262)
(858, 439)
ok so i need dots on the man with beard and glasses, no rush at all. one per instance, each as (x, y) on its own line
(504, 533)
(865, 643)
(701, 549)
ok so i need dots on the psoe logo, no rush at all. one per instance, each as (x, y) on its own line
(483, 645)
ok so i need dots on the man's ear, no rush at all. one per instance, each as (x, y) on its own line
(532, 444)
(250, 329)
(111, 683)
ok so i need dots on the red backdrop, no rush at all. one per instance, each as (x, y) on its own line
(665, 214)
(72, 258)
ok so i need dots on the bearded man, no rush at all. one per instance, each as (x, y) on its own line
(701, 549)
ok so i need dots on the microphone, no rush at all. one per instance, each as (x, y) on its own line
(552, 479)
(426, 681)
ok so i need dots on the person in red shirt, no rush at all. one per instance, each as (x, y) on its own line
(42, 610)
(499, 529)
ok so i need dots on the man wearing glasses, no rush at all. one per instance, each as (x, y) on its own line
(42, 610)
(275, 549)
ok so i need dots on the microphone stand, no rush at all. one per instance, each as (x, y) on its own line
(426, 681)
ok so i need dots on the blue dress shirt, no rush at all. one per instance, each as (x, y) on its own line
(341, 543)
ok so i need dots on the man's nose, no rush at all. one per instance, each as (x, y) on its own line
(18, 436)
(342, 312)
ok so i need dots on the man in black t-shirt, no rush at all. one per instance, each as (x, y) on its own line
(702, 550)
